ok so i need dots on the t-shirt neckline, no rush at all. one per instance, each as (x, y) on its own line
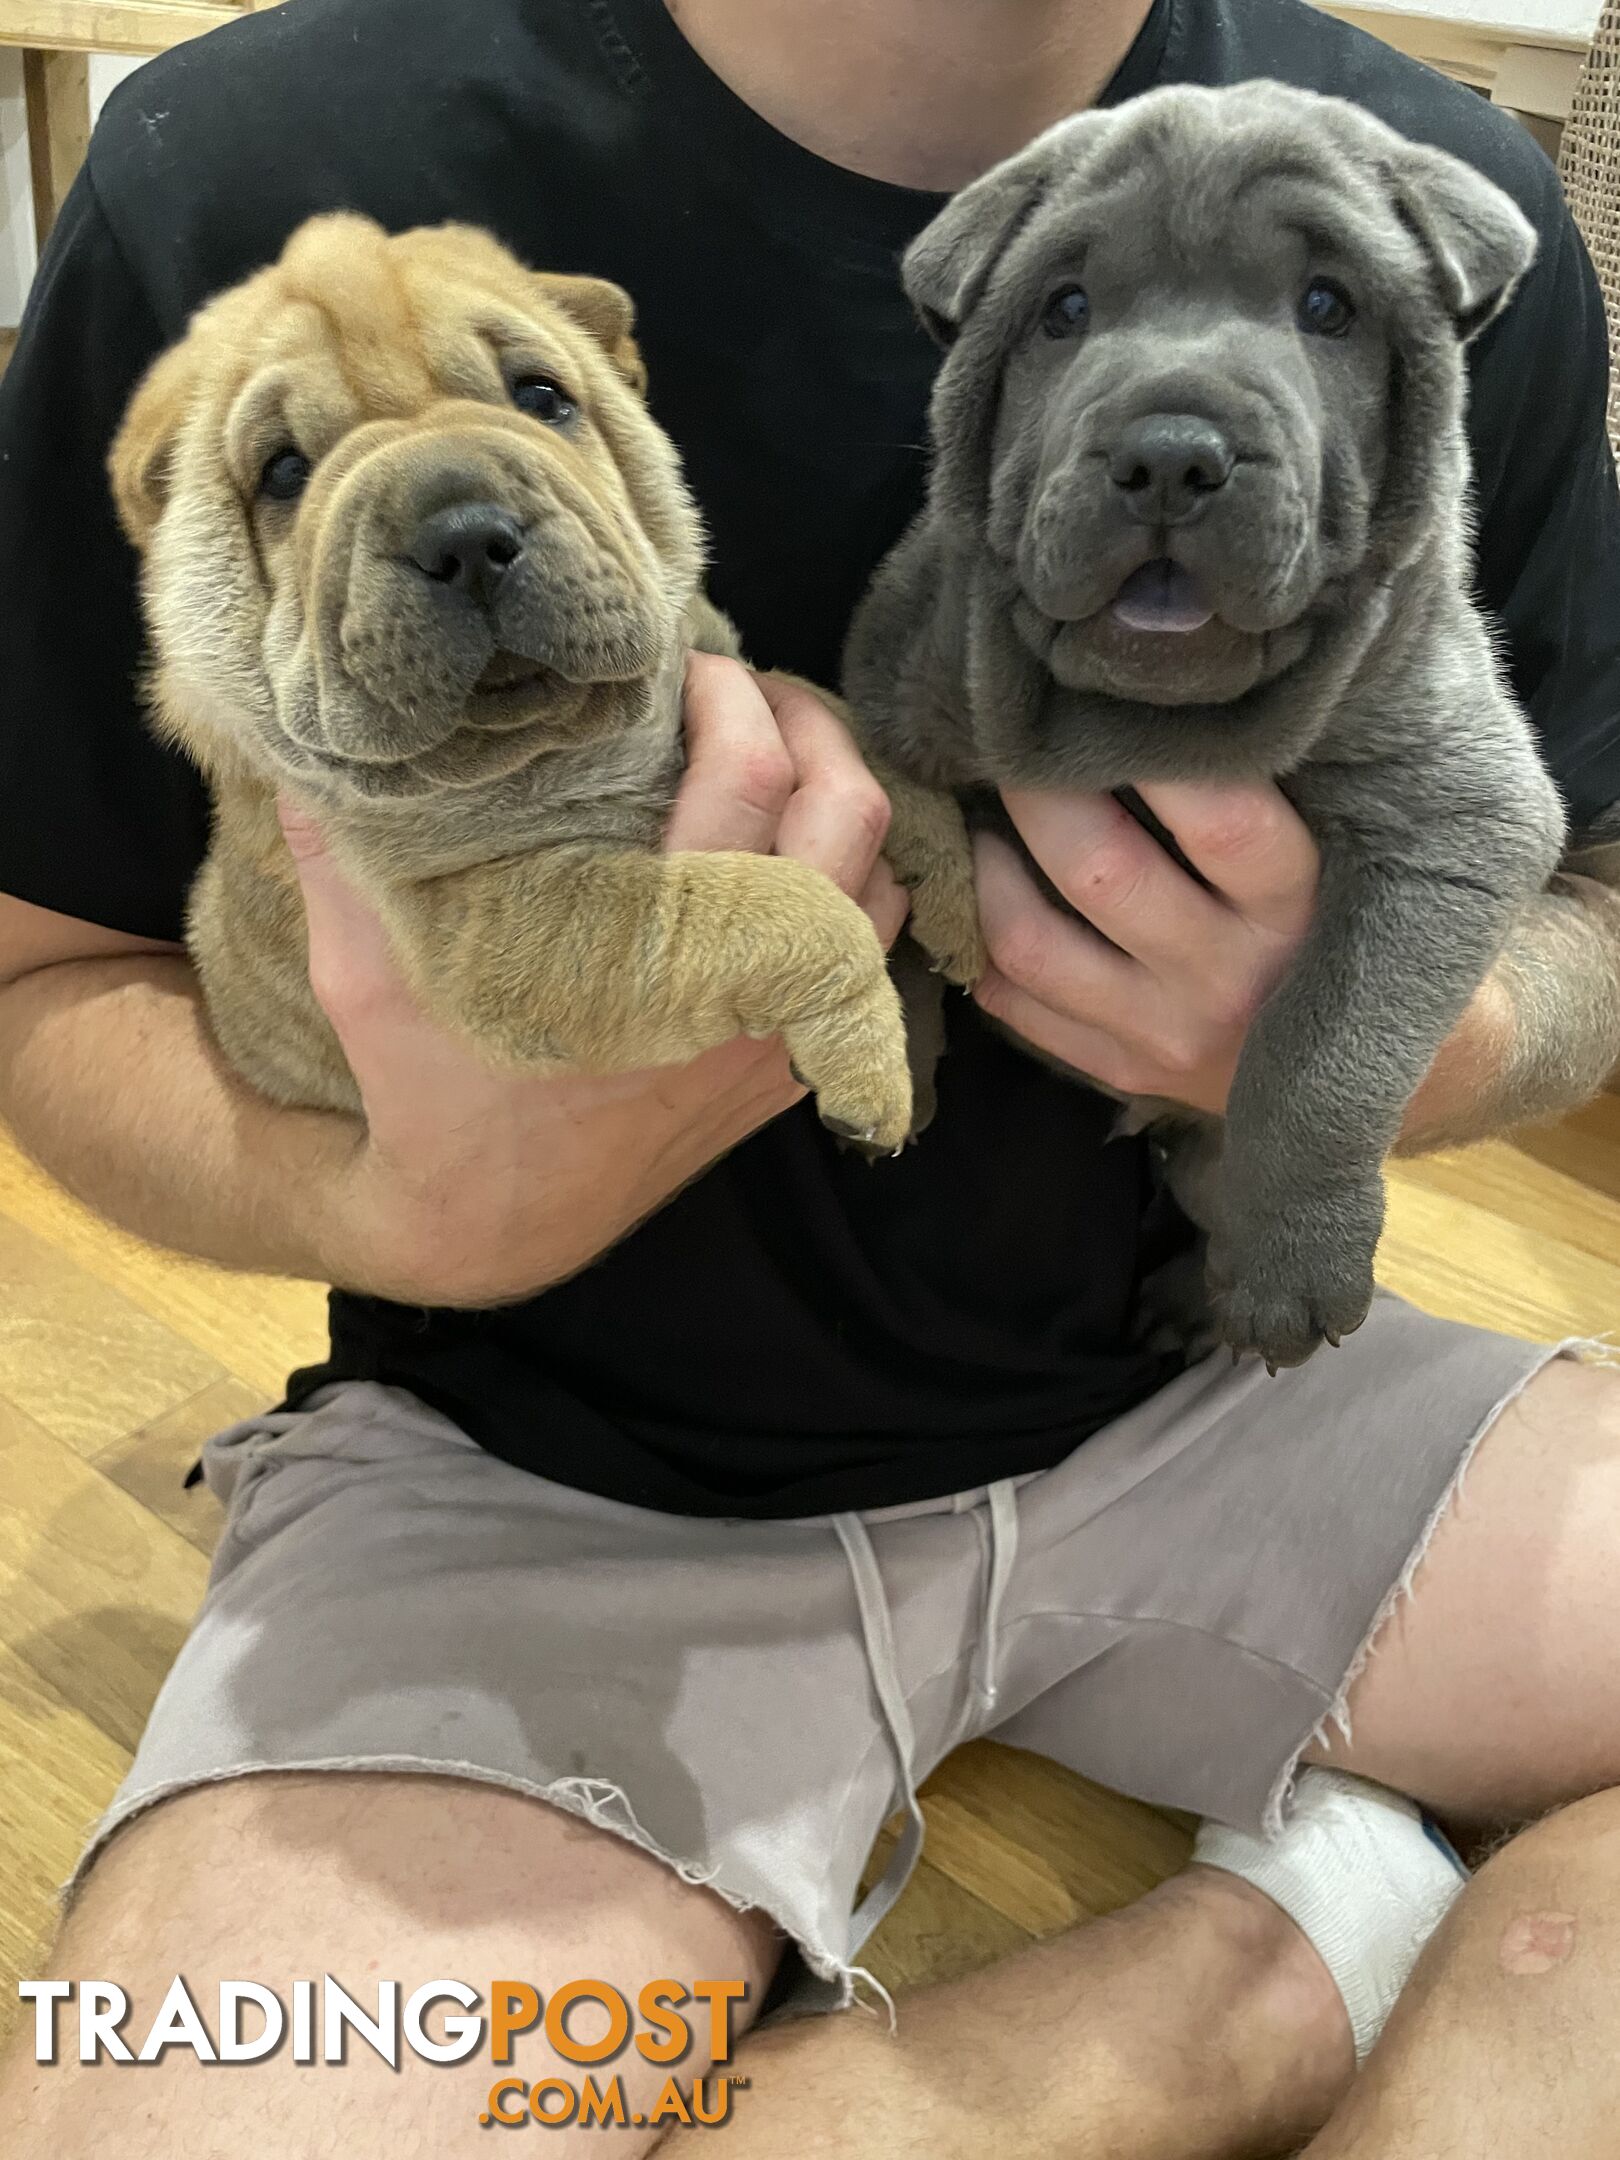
(651, 57)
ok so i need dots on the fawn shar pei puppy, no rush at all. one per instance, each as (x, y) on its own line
(1198, 512)
(414, 552)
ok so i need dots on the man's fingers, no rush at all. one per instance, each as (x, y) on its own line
(886, 902)
(838, 816)
(772, 770)
(350, 964)
(1089, 1050)
(739, 772)
(1251, 844)
(1059, 962)
(1109, 867)
(304, 838)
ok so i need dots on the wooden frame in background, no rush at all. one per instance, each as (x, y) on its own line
(56, 38)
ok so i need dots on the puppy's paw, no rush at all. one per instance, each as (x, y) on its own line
(853, 1059)
(1302, 1278)
(923, 1105)
(945, 922)
(868, 1109)
(1264, 1309)
(930, 853)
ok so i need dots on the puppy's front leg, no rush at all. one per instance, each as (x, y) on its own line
(612, 960)
(1331, 1062)
(930, 853)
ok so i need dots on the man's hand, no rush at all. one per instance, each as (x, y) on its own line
(1153, 993)
(471, 1187)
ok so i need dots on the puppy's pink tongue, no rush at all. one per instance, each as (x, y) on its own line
(1160, 596)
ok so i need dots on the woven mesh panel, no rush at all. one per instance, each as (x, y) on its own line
(1590, 165)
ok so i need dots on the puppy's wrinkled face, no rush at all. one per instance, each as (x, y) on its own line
(1197, 326)
(405, 521)
(1192, 431)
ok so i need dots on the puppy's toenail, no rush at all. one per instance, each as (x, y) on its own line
(848, 1132)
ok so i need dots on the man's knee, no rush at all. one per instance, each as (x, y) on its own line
(388, 1885)
(1582, 1828)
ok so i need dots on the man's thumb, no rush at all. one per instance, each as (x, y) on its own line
(348, 947)
(303, 836)
(325, 891)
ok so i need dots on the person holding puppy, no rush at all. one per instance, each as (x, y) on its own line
(593, 1618)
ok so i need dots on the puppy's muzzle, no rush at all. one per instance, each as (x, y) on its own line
(468, 548)
(468, 576)
(1166, 468)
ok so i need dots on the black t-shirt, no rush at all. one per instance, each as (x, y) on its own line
(798, 1331)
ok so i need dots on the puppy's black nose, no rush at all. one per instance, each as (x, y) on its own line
(1167, 466)
(469, 547)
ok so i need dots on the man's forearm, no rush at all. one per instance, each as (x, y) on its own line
(1544, 1033)
(108, 1077)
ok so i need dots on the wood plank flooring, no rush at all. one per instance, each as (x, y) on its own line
(116, 1362)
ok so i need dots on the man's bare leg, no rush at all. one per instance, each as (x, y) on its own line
(365, 1877)
(1198, 2024)
(1494, 1694)
(1503, 2045)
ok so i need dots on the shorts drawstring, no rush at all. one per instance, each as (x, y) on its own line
(877, 1633)
(1003, 1498)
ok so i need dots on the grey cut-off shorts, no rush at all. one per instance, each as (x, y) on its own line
(1175, 1611)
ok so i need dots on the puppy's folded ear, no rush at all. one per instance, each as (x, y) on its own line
(948, 265)
(1477, 238)
(607, 312)
(139, 461)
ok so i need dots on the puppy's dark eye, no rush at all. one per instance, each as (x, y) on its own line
(535, 394)
(285, 476)
(1325, 310)
(1067, 311)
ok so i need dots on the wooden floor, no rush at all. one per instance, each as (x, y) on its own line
(116, 1362)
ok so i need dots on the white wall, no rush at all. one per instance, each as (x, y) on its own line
(16, 198)
(17, 234)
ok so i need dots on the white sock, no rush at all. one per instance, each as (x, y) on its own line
(1364, 1876)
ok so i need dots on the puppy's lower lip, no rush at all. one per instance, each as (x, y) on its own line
(507, 671)
(1161, 596)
